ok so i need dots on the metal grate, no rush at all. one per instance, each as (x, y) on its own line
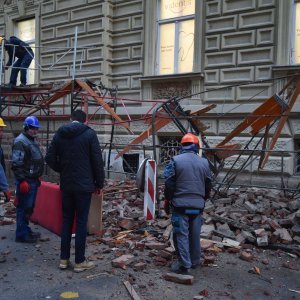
(169, 147)
(132, 163)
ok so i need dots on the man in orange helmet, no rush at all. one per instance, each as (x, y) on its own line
(187, 186)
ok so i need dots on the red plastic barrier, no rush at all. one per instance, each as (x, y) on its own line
(48, 210)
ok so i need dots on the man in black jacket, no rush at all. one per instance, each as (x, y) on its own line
(75, 153)
(16, 48)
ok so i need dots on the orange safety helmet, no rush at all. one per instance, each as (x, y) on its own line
(190, 138)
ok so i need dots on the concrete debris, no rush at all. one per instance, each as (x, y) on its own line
(231, 222)
(246, 256)
(178, 278)
(236, 222)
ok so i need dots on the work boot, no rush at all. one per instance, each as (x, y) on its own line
(27, 239)
(35, 234)
(178, 268)
(86, 265)
(195, 266)
(11, 85)
(65, 264)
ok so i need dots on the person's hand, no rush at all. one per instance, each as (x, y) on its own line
(98, 191)
(7, 195)
(24, 187)
(16, 201)
(167, 206)
(6, 68)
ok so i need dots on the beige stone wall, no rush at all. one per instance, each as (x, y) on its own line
(236, 41)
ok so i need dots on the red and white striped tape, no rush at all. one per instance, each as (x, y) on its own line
(150, 190)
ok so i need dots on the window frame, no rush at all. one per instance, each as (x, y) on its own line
(293, 49)
(176, 21)
(31, 79)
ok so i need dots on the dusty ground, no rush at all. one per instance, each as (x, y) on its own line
(31, 272)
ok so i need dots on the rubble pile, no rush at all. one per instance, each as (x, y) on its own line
(127, 233)
(256, 216)
(232, 221)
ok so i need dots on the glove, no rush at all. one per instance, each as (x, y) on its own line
(98, 191)
(24, 187)
(7, 195)
(16, 201)
(167, 206)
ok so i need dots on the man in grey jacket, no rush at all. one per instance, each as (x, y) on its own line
(187, 186)
(27, 163)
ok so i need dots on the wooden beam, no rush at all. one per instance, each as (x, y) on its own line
(281, 123)
(158, 124)
(100, 101)
(131, 291)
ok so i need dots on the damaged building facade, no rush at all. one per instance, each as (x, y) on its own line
(224, 52)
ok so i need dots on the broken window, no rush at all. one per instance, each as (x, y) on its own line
(169, 147)
(176, 36)
(25, 30)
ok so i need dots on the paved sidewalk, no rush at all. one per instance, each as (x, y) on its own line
(31, 272)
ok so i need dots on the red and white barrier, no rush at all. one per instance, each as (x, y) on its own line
(150, 190)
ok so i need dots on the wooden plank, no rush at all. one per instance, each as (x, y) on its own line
(251, 119)
(273, 111)
(100, 101)
(281, 123)
(94, 224)
(158, 124)
(65, 90)
(131, 291)
(167, 232)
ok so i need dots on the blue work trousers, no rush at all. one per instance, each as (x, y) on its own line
(75, 203)
(25, 207)
(186, 236)
(21, 64)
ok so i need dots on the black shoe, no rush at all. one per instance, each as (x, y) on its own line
(28, 239)
(195, 266)
(11, 85)
(179, 269)
(22, 85)
(35, 234)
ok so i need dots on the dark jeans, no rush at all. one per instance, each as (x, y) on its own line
(25, 207)
(186, 236)
(75, 203)
(21, 64)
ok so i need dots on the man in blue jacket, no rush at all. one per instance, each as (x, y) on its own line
(17, 49)
(75, 153)
(187, 186)
(27, 163)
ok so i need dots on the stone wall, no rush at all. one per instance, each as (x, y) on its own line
(236, 41)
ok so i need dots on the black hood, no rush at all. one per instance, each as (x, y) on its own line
(71, 130)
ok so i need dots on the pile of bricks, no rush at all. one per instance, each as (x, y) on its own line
(232, 220)
(256, 216)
